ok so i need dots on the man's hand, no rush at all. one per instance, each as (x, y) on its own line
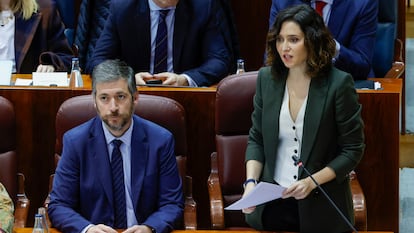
(141, 77)
(167, 78)
(172, 79)
(138, 229)
(101, 228)
(45, 68)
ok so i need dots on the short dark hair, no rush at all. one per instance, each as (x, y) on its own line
(113, 70)
(319, 42)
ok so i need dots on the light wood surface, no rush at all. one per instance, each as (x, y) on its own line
(53, 230)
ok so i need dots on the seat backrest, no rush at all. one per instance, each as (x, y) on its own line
(8, 157)
(385, 37)
(9, 176)
(163, 111)
(234, 105)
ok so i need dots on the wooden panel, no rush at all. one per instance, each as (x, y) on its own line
(252, 23)
(378, 172)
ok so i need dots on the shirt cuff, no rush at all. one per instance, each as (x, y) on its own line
(190, 81)
(337, 49)
(87, 228)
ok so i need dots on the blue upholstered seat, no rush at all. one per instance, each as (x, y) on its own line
(388, 48)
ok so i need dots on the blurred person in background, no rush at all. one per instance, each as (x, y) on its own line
(32, 36)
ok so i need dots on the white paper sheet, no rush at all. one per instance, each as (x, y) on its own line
(23, 82)
(5, 72)
(263, 192)
(50, 79)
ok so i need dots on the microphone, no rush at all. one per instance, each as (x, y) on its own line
(299, 163)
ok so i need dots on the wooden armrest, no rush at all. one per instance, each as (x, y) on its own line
(396, 70)
(190, 206)
(215, 195)
(47, 200)
(360, 209)
(398, 67)
(21, 209)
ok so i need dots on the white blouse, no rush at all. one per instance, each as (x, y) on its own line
(290, 142)
(7, 25)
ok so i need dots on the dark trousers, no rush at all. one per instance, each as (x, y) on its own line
(281, 215)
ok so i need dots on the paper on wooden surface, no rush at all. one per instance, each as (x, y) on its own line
(50, 79)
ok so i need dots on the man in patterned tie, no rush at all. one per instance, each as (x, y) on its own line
(195, 52)
(6, 211)
(87, 183)
(353, 25)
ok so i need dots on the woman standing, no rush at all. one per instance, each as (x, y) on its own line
(303, 107)
(32, 36)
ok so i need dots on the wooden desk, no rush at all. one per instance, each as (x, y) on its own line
(378, 171)
(53, 230)
(250, 231)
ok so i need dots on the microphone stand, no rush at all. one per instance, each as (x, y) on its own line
(299, 163)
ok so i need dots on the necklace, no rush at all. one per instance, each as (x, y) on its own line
(5, 18)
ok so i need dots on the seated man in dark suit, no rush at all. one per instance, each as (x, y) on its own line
(117, 171)
(353, 25)
(195, 53)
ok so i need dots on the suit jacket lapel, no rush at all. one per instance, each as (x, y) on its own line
(143, 32)
(99, 159)
(274, 106)
(337, 18)
(139, 157)
(25, 31)
(181, 24)
(318, 91)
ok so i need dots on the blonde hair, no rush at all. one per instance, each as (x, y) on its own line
(26, 7)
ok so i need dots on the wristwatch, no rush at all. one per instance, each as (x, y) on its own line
(248, 181)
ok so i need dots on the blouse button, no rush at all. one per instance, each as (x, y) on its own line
(295, 139)
(295, 177)
(294, 127)
(296, 151)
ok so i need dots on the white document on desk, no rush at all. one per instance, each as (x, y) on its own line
(59, 79)
(5, 72)
(262, 193)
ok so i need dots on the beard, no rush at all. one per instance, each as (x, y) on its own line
(117, 125)
(115, 121)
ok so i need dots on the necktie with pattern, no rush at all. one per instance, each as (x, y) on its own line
(118, 186)
(161, 44)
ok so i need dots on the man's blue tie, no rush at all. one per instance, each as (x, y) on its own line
(118, 186)
(161, 44)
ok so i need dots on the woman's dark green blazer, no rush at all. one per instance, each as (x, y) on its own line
(333, 136)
